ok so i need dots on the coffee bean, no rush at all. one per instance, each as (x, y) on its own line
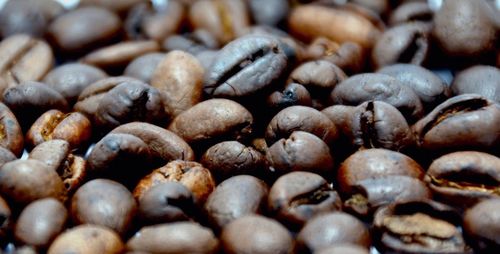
(87, 239)
(5, 219)
(143, 67)
(348, 56)
(291, 95)
(343, 249)
(269, 13)
(482, 80)
(193, 43)
(481, 224)
(11, 137)
(410, 12)
(120, 6)
(33, 21)
(6, 156)
(340, 115)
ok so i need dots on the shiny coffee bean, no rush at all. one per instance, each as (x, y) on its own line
(256, 234)
(40, 222)
(245, 66)
(193, 43)
(482, 225)
(73, 127)
(105, 203)
(23, 58)
(177, 237)
(71, 79)
(453, 125)
(343, 249)
(179, 79)
(340, 115)
(234, 198)
(331, 229)
(271, 13)
(411, 11)
(33, 21)
(292, 94)
(481, 79)
(371, 163)
(143, 67)
(464, 178)
(87, 239)
(298, 196)
(24, 181)
(11, 136)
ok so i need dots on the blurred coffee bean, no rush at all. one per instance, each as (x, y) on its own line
(481, 224)
(343, 249)
(116, 6)
(481, 79)
(22, 17)
(193, 43)
(348, 56)
(143, 67)
(5, 220)
(11, 137)
(271, 13)
(411, 11)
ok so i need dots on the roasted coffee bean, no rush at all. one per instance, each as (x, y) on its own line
(429, 87)
(230, 158)
(291, 95)
(31, 99)
(119, 55)
(405, 43)
(348, 56)
(117, 6)
(143, 67)
(481, 79)
(214, 120)
(462, 122)
(11, 135)
(270, 13)
(373, 86)
(332, 229)
(464, 178)
(165, 145)
(343, 249)
(191, 174)
(376, 124)
(419, 227)
(193, 43)
(87, 239)
(73, 127)
(482, 225)
(177, 237)
(24, 181)
(56, 154)
(179, 79)
(372, 163)
(379, 7)
(301, 151)
(301, 118)
(71, 79)
(105, 203)
(256, 234)
(298, 196)
(145, 21)
(6, 156)
(84, 29)
(40, 222)
(340, 115)
(225, 19)
(121, 157)
(23, 58)
(234, 198)
(339, 25)
(467, 29)
(372, 193)
(5, 219)
(410, 12)
(33, 21)
(245, 66)
(166, 202)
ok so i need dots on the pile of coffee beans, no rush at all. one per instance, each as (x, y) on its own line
(250, 126)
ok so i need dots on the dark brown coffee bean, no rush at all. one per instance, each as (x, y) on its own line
(302, 151)
(104, 202)
(331, 229)
(298, 196)
(464, 178)
(453, 125)
(340, 115)
(269, 13)
(410, 12)
(256, 234)
(166, 202)
(429, 87)
(343, 249)
(119, 55)
(56, 154)
(216, 120)
(24, 58)
(11, 135)
(87, 239)
(23, 181)
(84, 29)
(245, 66)
(419, 227)
(40, 222)
(6, 156)
(339, 25)
(143, 67)
(191, 174)
(301, 118)
(373, 86)
(291, 95)
(482, 225)
(371, 163)
(179, 79)
(120, 6)
(376, 124)
(22, 17)
(234, 198)
(481, 79)
(405, 43)
(73, 127)
(230, 158)
(145, 21)
(71, 79)
(5, 219)
(348, 56)
(193, 43)
(164, 144)
(177, 237)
